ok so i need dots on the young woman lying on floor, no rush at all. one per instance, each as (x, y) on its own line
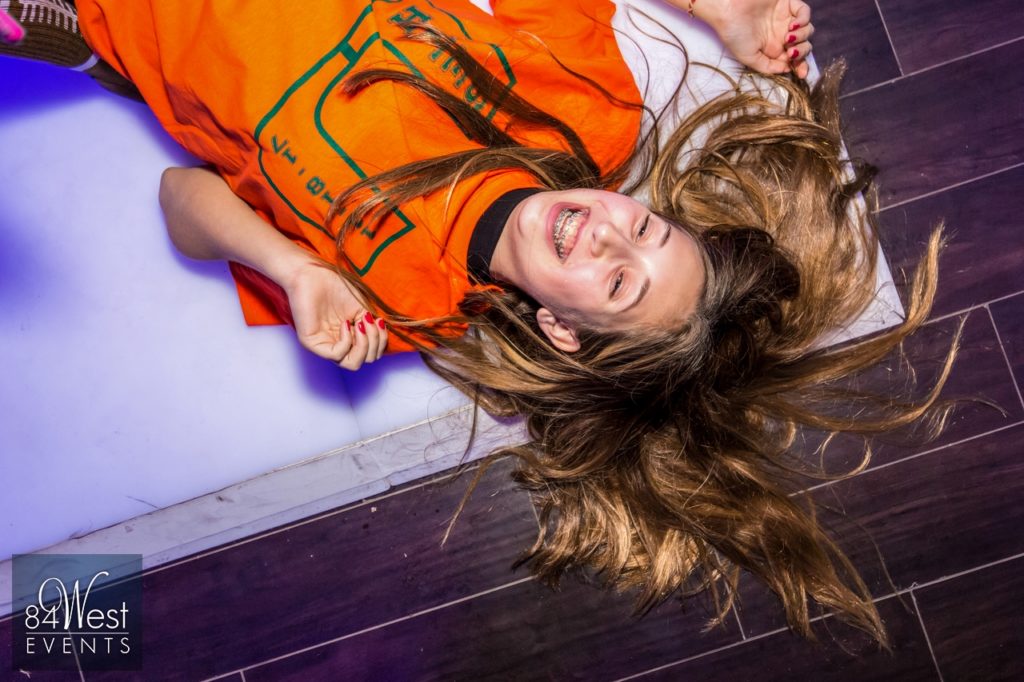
(419, 174)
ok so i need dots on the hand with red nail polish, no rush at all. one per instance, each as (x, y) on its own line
(760, 33)
(382, 337)
(369, 344)
(329, 318)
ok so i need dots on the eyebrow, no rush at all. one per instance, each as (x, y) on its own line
(647, 283)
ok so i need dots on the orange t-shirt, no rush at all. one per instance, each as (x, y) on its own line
(251, 87)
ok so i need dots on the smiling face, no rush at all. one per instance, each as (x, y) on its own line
(600, 260)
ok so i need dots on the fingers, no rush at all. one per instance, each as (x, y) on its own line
(800, 34)
(331, 345)
(797, 45)
(797, 56)
(369, 340)
(353, 345)
(763, 64)
(355, 358)
(800, 11)
(382, 337)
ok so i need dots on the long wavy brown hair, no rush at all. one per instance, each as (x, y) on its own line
(663, 459)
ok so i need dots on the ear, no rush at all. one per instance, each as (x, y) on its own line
(561, 335)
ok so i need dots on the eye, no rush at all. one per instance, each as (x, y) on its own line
(616, 285)
(643, 228)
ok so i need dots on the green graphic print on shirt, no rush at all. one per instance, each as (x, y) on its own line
(288, 169)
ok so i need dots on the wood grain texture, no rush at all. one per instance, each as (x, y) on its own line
(979, 382)
(6, 658)
(524, 632)
(927, 517)
(984, 222)
(841, 654)
(1009, 318)
(333, 576)
(976, 625)
(941, 127)
(854, 30)
(928, 32)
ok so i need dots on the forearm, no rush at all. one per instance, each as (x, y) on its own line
(207, 221)
(701, 9)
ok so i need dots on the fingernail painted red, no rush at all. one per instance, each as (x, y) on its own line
(791, 38)
(348, 324)
(795, 53)
(794, 27)
(368, 317)
(362, 329)
(380, 323)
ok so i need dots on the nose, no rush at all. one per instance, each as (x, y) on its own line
(605, 239)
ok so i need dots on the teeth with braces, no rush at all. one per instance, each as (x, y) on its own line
(566, 225)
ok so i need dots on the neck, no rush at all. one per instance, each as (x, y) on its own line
(502, 261)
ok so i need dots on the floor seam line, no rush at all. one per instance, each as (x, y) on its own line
(736, 613)
(710, 652)
(379, 626)
(954, 185)
(927, 639)
(973, 308)
(303, 522)
(932, 67)
(953, 576)
(1006, 357)
(957, 313)
(959, 58)
(892, 45)
(1000, 299)
(914, 456)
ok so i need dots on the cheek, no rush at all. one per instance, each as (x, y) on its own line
(584, 291)
(576, 280)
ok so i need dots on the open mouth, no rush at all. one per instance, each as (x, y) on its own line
(567, 226)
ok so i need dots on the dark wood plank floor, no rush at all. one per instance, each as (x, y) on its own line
(935, 97)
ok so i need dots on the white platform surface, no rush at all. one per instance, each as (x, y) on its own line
(130, 382)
